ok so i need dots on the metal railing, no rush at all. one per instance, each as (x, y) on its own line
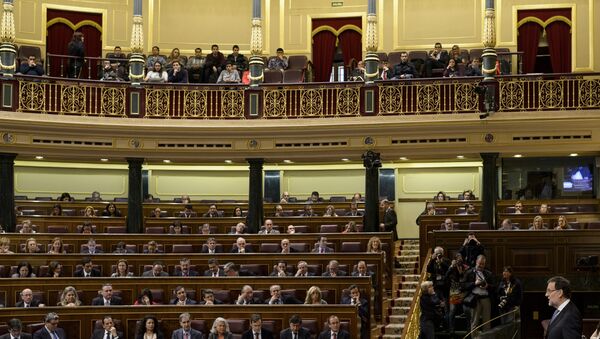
(412, 327)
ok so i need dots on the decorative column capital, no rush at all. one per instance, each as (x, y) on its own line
(372, 40)
(7, 27)
(489, 28)
(256, 39)
(137, 35)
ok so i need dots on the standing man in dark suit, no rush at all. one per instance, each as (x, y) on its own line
(108, 330)
(257, 331)
(87, 270)
(390, 220)
(107, 298)
(186, 329)
(14, 330)
(27, 299)
(334, 331)
(295, 331)
(566, 321)
(50, 329)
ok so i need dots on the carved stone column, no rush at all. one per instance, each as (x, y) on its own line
(372, 163)
(255, 195)
(489, 55)
(136, 60)
(8, 219)
(8, 52)
(135, 212)
(372, 59)
(256, 63)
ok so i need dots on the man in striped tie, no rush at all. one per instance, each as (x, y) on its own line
(50, 329)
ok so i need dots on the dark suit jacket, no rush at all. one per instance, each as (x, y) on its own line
(302, 334)
(390, 220)
(340, 335)
(327, 250)
(34, 303)
(363, 309)
(358, 214)
(188, 301)
(194, 334)
(218, 249)
(566, 325)
(96, 251)
(99, 334)
(234, 249)
(99, 301)
(191, 273)
(340, 273)
(208, 273)
(43, 333)
(79, 273)
(23, 336)
(264, 334)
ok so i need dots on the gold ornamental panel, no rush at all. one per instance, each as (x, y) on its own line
(348, 101)
(589, 94)
(390, 99)
(194, 104)
(32, 96)
(275, 104)
(311, 102)
(464, 98)
(73, 99)
(112, 101)
(428, 98)
(232, 104)
(157, 102)
(511, 95)
(550, 94)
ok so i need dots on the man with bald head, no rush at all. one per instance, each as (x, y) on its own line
(268, 229)
(27, 299)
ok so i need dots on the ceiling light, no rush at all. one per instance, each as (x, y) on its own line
(345, 159)
(287, 161)
(460, 157)
(39, 157)
(104, 159)
(403, 158)
(167, 161)
(517, 156)
(573, 154)
(228, 161)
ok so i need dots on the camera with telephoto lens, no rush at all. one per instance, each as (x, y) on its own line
(503, 302)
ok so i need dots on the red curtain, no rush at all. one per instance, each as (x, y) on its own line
(59, 35)
(558, 34)
(350, 41)
(529, 38)
(324, 44)
(323, 49)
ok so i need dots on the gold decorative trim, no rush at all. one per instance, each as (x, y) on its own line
(74, 26)
(544, 24)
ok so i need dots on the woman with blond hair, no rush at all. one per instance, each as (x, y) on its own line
(314, 296)
(69, 297)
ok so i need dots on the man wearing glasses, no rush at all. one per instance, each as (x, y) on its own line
(14, 330)
(50, 329)
(566, 320)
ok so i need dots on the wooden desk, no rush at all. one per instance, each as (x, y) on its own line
(430, 223)
(78, 322)
(551, 219)
(43, 221)
(452, 205)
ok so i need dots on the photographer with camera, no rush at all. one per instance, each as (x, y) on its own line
(510, 295)
(471, 249)
(454, 277)
(437, 268)
(478, 286)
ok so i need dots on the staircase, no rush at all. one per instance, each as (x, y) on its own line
(405, 281)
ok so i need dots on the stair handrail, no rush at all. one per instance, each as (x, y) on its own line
(412, 328)
(516, 309)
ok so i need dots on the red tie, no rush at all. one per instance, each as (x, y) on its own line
(334, 335)
(185, 335)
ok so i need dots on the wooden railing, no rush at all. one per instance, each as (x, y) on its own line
(412, 325)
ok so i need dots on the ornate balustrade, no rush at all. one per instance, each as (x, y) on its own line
(305, 100)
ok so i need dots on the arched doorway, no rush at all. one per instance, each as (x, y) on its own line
(327, 34)
(60, 27)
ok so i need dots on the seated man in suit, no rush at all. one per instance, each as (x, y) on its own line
(107, 298)
(246, 296)
(27, 299)
(321, 246)
(31, 67)
(333, 270)
(256, 330)
(186, 331)
(187, 212)
(285, 246)
(156, 271)
(233, 270)
(334, 330)
(362, 307)
(181, 297)
(205, 229)
(185, 269)
(211, 247)
(208, 298)
(50, 329)
(108, 330)
(212, 212)
(295, 331)
(303, 269)
(240, 246)
(213, 269)
(280, 270)
(91, 247)
(240, 228)
(268, 228)
(278, 299)
(87, 270)
(362, 270)
(308, 211)
(152, 248)
(14, 330)
(354, 212)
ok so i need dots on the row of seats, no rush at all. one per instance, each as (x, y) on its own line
(333, 198)
(482, 225)
(393, 58)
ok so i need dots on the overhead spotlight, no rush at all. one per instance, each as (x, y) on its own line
(228, 161)
(104, 159)
(460, 157)
(345, 159)
(167, 161)
(287, 161)
(518, 156)
(39, 157)
(573, 154)
(403, 158)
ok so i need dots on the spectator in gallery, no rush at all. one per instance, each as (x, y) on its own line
(31, 67)
(451, 70)
(177, 74)
(278, 62)
(538, 223)
(238, 60)
(175, 56)
(157, 74)
(229, 75)
(56, 210)
(154, 58)
(76, 50)
(214, 64)
(405, 69)
(474, 68)
(111, 211)
(195, 66)
(437, 58)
